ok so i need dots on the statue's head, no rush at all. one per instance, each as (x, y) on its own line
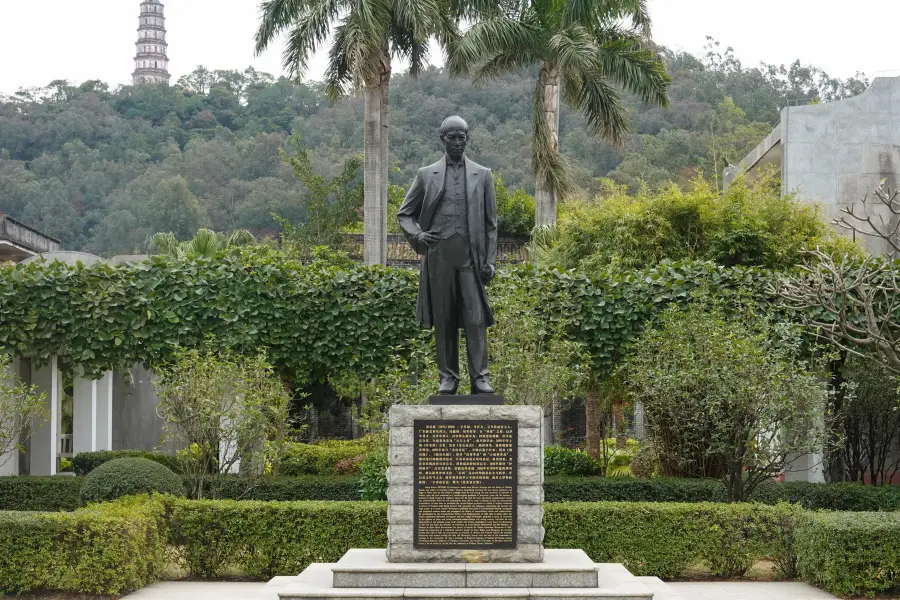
(454, 136)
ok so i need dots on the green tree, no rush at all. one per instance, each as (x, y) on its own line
(172, 207)
(332, 204)
(583, 50)
(364, 38)
(21, 406)
(725, 396)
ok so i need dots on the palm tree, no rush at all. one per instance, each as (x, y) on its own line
(586, 50)
(204, 243)
(365, 36)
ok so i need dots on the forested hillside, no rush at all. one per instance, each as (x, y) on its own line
(103, 169)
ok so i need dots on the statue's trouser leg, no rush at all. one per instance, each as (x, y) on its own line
(444, 287)
(476, 351)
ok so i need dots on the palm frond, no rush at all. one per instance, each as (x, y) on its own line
(574, 49)
(600, 103)
(635, 11)
(311, 28)
(639, 70)
(418, 17)
(205, 243)
(498, 65)
(495, 36)
(165, 243)
(240, 237)
(275, 17)
(548, 163)
(357, 55)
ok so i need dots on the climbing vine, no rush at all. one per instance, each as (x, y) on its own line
(313, 320)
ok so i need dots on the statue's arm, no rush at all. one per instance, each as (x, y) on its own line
(411, 209)
(490, 220)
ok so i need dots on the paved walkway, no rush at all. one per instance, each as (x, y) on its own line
(181, 590)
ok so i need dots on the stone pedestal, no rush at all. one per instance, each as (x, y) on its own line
(529, 492)
(445, 459)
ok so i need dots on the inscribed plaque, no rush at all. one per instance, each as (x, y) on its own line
(465, 477)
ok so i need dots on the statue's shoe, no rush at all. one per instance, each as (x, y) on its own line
(481, 385)
(448, 387)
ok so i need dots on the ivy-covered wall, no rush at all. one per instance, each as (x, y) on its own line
(313, 320)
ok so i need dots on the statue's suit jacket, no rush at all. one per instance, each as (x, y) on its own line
(418, 208)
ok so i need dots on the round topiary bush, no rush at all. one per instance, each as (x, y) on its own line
(128, 476)
(645, 462)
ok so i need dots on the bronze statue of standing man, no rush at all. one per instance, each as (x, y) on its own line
(449, 217)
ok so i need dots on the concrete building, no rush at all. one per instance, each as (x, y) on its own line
(835, 153)
(19, 241)
(151, 63)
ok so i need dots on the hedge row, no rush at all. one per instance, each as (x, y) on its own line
(111, 548)
(265, 539)
(664, 539)
(104, 549)
(831, 496)
(849, 554)
(62, 493)
(40, 493)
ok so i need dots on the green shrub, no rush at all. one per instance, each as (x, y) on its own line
(559, 460)
(627, 489)
(849, 554)
(373, 482)
(644, 463)
(127, 477)
(830, 496)
(853, 497)
(663, 539)
(85, 462)
(104, 549)
(319, 458)
(265, 539)
(40, 493)
(309, 487)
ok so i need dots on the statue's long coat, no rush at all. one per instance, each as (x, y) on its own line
(418, 209)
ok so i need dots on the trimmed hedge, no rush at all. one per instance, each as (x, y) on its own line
(849, 554)
(265, 539)
(831, 496)
(104, 549)
(129, 477)
(40, 493)
(630, 489)
(310, 487)
(663, 539)
(85, 462)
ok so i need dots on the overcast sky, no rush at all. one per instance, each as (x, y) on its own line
(94, 39)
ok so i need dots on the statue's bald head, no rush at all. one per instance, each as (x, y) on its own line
(454, 122)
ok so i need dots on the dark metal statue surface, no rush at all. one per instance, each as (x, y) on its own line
(449, 217)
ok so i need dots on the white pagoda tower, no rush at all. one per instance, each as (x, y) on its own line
(151, 63)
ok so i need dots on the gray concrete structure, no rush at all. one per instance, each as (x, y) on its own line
(835, 153)
(19, 241)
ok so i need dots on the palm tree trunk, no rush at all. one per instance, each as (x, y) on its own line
(375, 170)
(545, 197)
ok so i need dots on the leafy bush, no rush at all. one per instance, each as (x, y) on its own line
(627, 489)
(849, 554)
(309, 487)
(265, 539)
(644, 463)
(40, 493)
(664, 539)
(85, 462)
(718, 389)
(128, 477)
(373, 481)
(559, 460)
(515, 211)
(104, 549)
(319, 458)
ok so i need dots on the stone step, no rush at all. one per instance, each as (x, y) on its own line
(315, 583)
(369, 568)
